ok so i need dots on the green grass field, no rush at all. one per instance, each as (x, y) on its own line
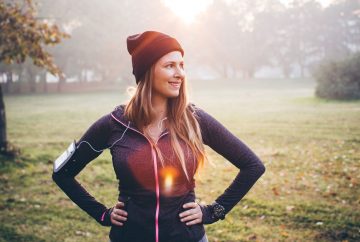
(310, 147)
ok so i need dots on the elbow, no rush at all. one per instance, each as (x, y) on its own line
(262, 169)
(55, 177)
(259, 169)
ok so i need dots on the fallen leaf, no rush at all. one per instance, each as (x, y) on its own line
(275, 191)
(289, 208)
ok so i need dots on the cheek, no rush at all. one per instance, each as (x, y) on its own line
(164, 73)
(161, 77)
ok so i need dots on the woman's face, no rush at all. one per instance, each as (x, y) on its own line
(168, 75)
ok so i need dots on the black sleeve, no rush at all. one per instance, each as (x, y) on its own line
(97, 135)
(221, 140)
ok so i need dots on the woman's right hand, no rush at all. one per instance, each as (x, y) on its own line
(118, 216)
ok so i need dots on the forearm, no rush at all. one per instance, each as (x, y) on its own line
(82, 198)
(97, 135)
(242, 183)
(221, 140)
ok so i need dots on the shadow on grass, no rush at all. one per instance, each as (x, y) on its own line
(10, 234)
(331, 223)
(9, 163)
(20, 161)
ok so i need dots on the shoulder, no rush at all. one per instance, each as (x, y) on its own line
(106, 121)
(102, 123)
(199, 113)
(120, 109)
(118, 113)
(195, 109)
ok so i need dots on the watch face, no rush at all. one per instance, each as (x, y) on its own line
(219, 211)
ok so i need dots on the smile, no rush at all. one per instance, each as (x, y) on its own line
(175, 84)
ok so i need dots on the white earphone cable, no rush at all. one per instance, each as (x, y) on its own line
(84, 141)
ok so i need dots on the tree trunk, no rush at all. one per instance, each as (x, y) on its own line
(32, 81)
(3, 139)
(9, 81)
(286, 70)
(61, 82)
(225, 72)
(43, 81)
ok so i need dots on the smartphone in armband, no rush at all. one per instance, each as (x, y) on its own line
(65, 158)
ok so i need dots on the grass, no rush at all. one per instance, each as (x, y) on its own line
(310, 147)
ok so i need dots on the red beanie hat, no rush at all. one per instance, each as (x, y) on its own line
(146, 48)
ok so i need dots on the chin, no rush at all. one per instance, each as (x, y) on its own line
(173, 95)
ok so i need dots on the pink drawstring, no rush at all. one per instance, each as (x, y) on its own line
(103, 216)
(157, 195)
(156, 176)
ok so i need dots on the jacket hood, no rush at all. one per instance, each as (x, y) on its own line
(118, 114)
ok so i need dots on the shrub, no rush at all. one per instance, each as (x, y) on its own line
(339, 79)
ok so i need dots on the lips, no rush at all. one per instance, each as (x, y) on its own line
(175, 84)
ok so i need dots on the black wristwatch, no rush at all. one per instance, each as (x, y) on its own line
(218, 211)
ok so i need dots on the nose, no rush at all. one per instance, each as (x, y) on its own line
(180, 73)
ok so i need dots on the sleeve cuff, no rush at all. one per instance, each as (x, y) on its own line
(105, 217)
(207, 217)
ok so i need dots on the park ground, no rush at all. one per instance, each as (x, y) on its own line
(309, 146)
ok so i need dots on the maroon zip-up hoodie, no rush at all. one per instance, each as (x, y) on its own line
(154, 194)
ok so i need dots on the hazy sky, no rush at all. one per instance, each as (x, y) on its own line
(189, 9)
(324, 3)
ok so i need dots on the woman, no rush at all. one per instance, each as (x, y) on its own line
(157, 144)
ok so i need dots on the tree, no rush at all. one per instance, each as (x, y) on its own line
(23, 35)
(339, 79)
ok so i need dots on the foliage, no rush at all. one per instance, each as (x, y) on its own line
(23, 35)
(339, 79)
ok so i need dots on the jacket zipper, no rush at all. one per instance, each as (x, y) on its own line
(157, 186)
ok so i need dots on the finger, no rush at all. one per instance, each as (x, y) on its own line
(119, 205)
(188, 212)
(116, 222)
(118, 217)
(190, 205)
(196, 221)
(190, 217)
(120, 212)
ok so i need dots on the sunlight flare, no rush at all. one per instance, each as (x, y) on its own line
(168, 181)
(187, 10)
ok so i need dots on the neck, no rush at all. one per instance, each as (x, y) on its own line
(160, 106)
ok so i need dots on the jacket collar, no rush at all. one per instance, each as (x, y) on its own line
(118, 115)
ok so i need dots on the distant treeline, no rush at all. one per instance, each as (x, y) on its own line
(231, 39)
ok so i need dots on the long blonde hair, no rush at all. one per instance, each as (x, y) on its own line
(182, 123)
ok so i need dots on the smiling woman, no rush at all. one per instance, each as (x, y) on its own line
(169, 71)
(187, 10)
(157, 142)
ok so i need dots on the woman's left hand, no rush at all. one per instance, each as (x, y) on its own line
(193, 215)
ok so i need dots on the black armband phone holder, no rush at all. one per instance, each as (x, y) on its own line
(65, 159)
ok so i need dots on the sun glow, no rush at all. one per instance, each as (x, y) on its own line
(187, 10)
(168, 181)
(168, 175)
